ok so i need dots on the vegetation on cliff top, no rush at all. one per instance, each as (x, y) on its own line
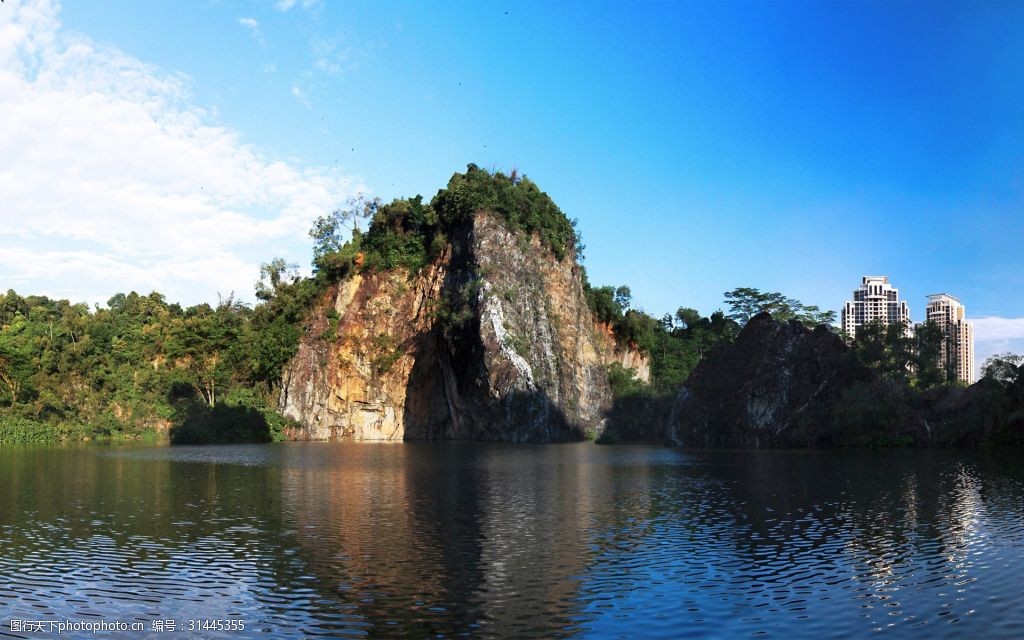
(408, 233)
(745, 302)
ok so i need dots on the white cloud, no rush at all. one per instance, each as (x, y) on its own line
(300, 95)
(253, 25)
(285, 5)
(112, 179)
(331, 56)
(993, 334)
(996, 329)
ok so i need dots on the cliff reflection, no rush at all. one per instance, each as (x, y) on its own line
(461, 538)
(369, 521)
(487, 540)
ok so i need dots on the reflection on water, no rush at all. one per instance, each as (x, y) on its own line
(306, 539)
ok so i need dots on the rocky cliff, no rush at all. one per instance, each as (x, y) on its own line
(614, 352)
(778, 384)
(785, 385)
(492, 340)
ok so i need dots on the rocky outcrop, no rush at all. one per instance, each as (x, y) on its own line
(778, 384)
(989, 412)
(493, 340)
(784, 385)
(615, 352)
(352, 373)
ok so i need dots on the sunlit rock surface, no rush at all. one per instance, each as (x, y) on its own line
(491, 341)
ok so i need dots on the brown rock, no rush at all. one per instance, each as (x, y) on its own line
(491, 341)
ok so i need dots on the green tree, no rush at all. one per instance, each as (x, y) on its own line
(1004, 368)
(929, 370)
(275, 275)
(745, 302)
(328, 233)
(887, 349)
(603, 305)
(16, 357)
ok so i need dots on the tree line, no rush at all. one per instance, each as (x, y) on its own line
(676, 343)
(140, 365)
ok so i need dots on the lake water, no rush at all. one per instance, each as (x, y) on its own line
(469, 540)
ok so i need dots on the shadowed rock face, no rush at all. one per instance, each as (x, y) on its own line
(776, 385)
(782, 384)
(491, 341)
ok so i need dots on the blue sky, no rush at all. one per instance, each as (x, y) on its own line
(789, 146)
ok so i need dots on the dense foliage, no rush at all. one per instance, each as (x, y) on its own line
(917, 381)
(674, 343)
(139, 366)
(519, 202)
(884, 412)
(914, 359)
(408, 233)
(1000, 405)
(1004, 368)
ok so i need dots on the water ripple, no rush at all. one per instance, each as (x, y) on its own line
(333, 540)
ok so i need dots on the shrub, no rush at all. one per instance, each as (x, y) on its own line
(18, 430)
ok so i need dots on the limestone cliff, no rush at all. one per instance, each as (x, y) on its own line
(492, 340)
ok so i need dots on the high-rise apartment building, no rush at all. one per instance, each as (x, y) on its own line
(958, 347)
(875, 300)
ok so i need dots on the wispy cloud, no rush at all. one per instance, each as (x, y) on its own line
(112, 178)
(286, 5)
(301, 96)
(995, 329)
(253, 25)
(330, 56)
(993, 335)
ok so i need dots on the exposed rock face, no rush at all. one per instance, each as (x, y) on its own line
(491, 341)
(351, 375)
(628, 358)
(776, 385)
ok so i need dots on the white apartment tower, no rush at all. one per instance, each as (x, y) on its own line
(958, 347)
(875, 300)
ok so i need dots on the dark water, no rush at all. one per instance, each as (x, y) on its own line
(299, 540)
